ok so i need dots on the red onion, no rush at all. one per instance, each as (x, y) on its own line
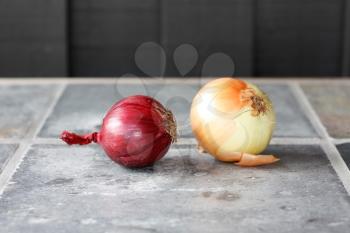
(136, 132)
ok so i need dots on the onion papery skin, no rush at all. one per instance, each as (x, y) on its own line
(226, 124)
(136, 132)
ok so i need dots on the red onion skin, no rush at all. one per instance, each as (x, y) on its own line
(134, 133)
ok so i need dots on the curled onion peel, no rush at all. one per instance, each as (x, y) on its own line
(233, 120)
(136, 132)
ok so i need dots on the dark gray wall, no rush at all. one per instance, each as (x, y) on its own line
(105, 34)
(211, 27)
(33, 38)
(299, 37)
(99, 37)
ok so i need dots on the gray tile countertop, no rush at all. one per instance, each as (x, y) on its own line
(47, 186)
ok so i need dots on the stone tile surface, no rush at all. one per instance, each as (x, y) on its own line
(291, 121)
(78, 189)
(82, 107)
(21, 106)
(331, 103)
(344, 150)
(6, 151)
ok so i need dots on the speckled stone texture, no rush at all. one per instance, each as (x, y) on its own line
(291, 121)
(331, 103)
(6, 151)
(82, 107)
(344, 150)
(78, 189)
(21, 106)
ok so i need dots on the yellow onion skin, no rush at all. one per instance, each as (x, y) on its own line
(230, 117)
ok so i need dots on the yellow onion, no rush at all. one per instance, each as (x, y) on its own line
(233, 120)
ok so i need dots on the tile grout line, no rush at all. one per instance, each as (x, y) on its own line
(181, 141)
(16, 159)
(308, 110)
(326, 143)
(12, 165)
(297, 91)
(36, 129)
(339, 141)
(294, 141)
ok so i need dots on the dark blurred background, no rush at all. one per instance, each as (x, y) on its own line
(99, 37)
